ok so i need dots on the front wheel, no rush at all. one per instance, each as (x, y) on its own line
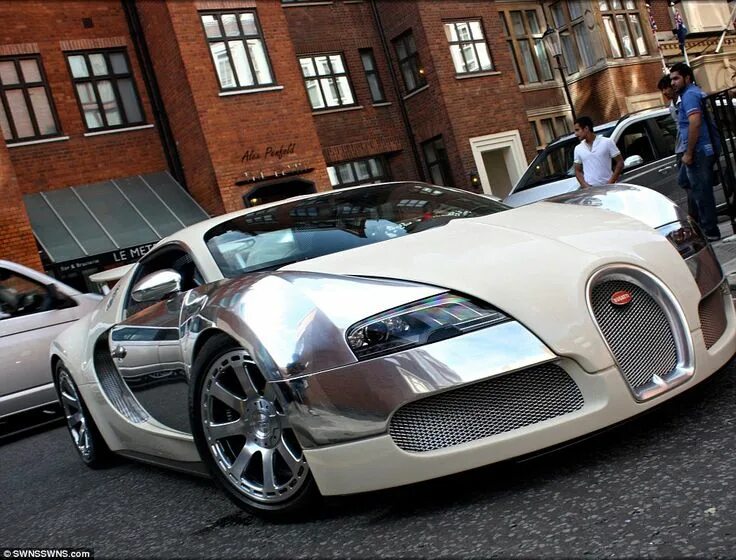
(243, 434)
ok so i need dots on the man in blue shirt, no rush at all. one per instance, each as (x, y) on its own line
(696, 146)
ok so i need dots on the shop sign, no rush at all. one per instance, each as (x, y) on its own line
(120, 256)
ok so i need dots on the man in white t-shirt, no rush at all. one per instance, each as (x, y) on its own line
(593, 156)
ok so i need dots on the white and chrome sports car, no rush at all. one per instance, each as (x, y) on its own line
(382, 335)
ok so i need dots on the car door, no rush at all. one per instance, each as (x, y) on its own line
(31, 316)
(145, 344)
(658, 170)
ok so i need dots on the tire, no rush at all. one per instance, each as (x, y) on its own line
(85, 435)
(243, 435)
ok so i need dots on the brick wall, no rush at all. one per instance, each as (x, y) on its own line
(233, 125)
(51, 27)
(16, 238)
(369, 130)
(179, 102)
(475, 106)
(602, 96)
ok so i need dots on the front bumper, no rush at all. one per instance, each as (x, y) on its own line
(359, 402)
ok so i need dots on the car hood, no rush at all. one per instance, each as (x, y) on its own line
(533, 263)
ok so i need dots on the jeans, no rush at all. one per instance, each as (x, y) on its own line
(700, 179)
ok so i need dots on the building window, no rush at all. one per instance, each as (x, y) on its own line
(580, 45)
(524, 36)
(468, 47)
(438, 165)
(327, 81)
(547, 128)
(411, 66)
(358, 172)
(371, 74)
(623, 28)
(26, 109)
(238, 50)
(105, 89)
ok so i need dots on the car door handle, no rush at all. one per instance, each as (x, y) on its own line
(666, 169)
(119, 352)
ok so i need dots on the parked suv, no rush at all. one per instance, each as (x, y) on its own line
(646, 140)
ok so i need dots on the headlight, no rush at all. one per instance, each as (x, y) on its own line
(422, 322)
(685, 236)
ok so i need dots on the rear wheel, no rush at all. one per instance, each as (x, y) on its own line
(243, 434)
(86, 437)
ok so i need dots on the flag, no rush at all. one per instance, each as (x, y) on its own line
(652, 23)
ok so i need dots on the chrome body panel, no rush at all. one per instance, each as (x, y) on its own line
(357, 401)
(293, 323)
(146, 351)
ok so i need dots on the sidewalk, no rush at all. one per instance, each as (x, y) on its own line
(725, 250)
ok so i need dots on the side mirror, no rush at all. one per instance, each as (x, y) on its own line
(633, 161)
(157, 286)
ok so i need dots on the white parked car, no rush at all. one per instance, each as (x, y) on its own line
(382, 335)
(34, 308)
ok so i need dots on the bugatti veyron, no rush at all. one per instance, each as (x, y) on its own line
(381, 335)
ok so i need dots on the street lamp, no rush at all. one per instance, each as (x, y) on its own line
(552, 43)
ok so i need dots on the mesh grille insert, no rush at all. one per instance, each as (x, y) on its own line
(712, 317)
(638, 334)
(484, 409)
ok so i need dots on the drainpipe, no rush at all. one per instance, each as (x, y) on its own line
(154, 93)
(397, 90)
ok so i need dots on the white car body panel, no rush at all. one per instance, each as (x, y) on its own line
(25, 341)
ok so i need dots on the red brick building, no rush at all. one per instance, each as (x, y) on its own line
(245, 101)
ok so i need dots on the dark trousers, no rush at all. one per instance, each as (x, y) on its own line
(697, 178)
(700, 179)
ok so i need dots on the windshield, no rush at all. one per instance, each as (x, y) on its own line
(554, 163)
(304, 229)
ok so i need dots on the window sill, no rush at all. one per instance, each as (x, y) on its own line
(536, 86)
(41, 141)
(338, 110)
(297, 4)
(116, 130)
(469, 75)
(416, 91)
(249, 91)
(382, 104)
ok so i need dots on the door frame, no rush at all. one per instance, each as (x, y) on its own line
(514, 157)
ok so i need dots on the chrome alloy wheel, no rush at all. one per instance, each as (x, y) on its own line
(75, 419)
(247, 431)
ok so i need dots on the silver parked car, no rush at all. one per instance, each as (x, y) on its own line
(646, 140)
(34, 308)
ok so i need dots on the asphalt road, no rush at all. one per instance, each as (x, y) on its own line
(663, 485)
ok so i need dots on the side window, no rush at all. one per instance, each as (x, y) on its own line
(22, 296)
(173, 258)
(635, 141)
(666, 129)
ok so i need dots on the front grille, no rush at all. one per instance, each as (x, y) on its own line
(639, 334)
(484, 409)
(712, 317)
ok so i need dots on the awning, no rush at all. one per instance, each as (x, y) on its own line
(77, 223)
